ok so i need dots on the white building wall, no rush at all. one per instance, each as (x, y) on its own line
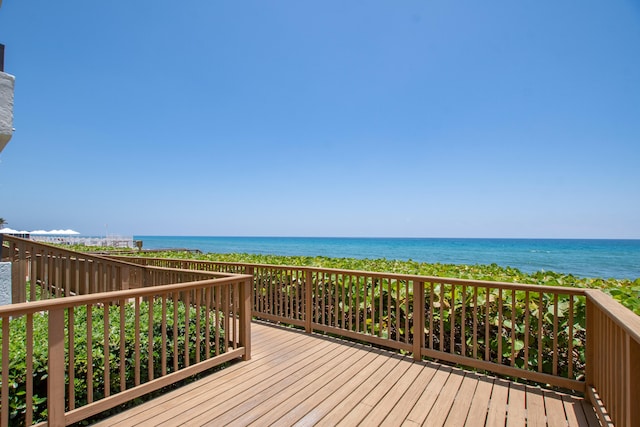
(7, 83)
(5, 283)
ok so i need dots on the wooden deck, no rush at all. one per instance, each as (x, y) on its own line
(299, 379)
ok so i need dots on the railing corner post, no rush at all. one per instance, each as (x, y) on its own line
(308, 298)
(418, 318)
(56, 378)
(589, 344)
(245, 317)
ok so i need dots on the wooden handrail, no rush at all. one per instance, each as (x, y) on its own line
(214, 329)
(613, 360)
(349, 303)
(493, 326)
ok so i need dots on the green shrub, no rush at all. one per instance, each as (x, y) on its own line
(18, 356)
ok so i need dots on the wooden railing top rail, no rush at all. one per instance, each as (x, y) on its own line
(620, 315)
(104, 297)
(394, 276)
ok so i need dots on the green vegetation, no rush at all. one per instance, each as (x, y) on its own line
(18, 355)
(627, 292)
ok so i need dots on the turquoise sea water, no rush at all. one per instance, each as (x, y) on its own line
(586, 258)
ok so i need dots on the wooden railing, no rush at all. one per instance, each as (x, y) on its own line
(105, 349)
(572, 338)
(525, 331)
(613, 359)
(174, 323)
(42, 271)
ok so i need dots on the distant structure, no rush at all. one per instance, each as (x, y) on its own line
(7, 83)
(110, 241)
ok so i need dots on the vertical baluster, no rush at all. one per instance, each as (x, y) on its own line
(324, 291)
(29, 372)
(463, 321)
(329, 298)
(137, 341)
(555, 334)
(527, 321)
(513, 327)
(236, 314)
(357, 303)
(441, 311)
(176, 321)
(217, 298)
(226, 304)
(500, 325)
(4, 399)
(198, 311)
(187, 327)
(123, 378)
(343, 309)
(475, 322)
(106, 352)
(150, 368)
(372, 305)
(338, 291)
(431, 301)
(89, 353)
(570, 337)
(163, 350)
(487, 337)
(380, 306)
(279, 297)
(207, 320)
(541, 311)
(415, 308)
(452, 320)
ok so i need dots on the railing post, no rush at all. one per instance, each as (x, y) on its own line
(418, 318)
(633, 379)
(56, 378)
(308, 301)
(245, 316)
(252, 287)
(18, 282)
(590, 344)
(124, 278)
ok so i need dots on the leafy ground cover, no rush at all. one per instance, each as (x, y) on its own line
(627, 292)
(93, 367)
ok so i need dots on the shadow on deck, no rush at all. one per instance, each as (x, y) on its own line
(295, 378)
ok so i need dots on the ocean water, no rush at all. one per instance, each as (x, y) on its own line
(585, 258)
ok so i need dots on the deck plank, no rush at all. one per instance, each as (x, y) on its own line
(382, 409)
(554, 408)
(464, 399)
(316, 400)
(294, 378)
(402, 409)
(343, 408)
(264, 384)
(292, 401)
(445, 399)
(536, 415)
(498, 404)
(375, 395)
(480, 406)
(429, 395)
(517, 406)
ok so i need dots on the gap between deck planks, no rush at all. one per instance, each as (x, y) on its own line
(300, 379)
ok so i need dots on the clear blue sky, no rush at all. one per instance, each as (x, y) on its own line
(324, 118)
